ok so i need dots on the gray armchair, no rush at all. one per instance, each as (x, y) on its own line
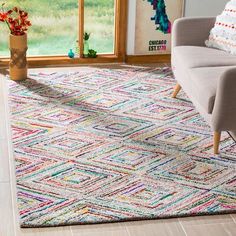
(207, 75)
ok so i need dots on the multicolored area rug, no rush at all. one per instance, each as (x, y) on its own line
(96, 145)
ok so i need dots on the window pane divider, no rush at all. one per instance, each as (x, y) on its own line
(81, 28)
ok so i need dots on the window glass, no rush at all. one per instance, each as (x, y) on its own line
(54, 27)
(99, 21)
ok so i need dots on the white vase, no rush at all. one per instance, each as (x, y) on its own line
(86, 48)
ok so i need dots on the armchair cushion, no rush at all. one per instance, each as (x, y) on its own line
(191, 31)
(223, 34)
(193, 56)
(204, 83)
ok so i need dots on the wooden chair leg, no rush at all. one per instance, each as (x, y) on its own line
(217, 136)
(176, 90)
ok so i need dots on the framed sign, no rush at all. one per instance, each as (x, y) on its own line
(154, 21)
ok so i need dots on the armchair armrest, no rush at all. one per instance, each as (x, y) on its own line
(224, 112)
(192, 31)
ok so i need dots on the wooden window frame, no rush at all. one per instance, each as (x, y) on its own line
(121, 10)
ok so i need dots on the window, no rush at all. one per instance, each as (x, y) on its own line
(55, 26)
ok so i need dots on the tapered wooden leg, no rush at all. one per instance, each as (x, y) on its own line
(176, 90)
(217, 136)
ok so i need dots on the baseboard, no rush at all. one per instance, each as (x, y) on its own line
(140, 59)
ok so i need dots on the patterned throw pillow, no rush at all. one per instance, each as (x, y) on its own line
(223, 35)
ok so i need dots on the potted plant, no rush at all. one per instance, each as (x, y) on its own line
(18, 23)
(92, 53)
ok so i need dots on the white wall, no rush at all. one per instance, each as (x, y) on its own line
(131, 26)
(204, 7)
(192, 8)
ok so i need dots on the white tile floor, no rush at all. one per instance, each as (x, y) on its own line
(223, 225)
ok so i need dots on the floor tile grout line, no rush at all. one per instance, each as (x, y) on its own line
(127, 230)
(5, 182)
(182, 227)
(71, 231)
(234, 219)
(211, 223)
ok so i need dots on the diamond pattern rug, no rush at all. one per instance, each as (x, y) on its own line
(96, 145)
